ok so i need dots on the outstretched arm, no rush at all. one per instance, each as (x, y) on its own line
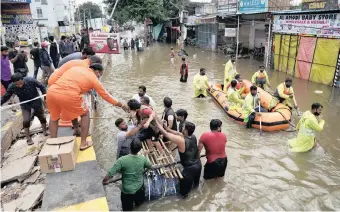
(176, 139)
(114, 170)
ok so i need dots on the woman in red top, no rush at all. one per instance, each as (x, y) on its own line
(184, 71)
(214, 143)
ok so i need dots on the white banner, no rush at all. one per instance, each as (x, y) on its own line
(311, 24)
(230, 32)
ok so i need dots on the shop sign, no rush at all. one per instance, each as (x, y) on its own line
(319, 5)
(227, 7)
(253, 6)
(310, 24)
(230, 32)
(105, 42)
(12, 14)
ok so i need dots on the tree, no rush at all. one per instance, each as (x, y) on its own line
(138, 10)
(90, 9)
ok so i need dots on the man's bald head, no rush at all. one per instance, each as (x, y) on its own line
(95, 59)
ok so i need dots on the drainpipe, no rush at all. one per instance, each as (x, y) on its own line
(268, 46)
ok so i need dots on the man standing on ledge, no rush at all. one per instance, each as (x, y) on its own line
(142, 93)
(64, 99)
(85, 54)
(132, 167)
(26, 89)
(310, 123)
(214, 143)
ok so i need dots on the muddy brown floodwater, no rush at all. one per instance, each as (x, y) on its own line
(261, 174)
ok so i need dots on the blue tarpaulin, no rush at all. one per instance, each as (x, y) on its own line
(156, 31)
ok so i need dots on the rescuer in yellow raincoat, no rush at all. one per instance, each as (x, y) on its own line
(201, 84)
(309, 124)
(260, 78)
(284, 93)
(229, 73)
(251, 106)
(234, 97)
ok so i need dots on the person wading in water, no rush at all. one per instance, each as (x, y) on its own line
(181, 115)
(125, 136)
(214, 143)
(310, 123)
(184, 71)
(132, 167)
(188, 152)
(201, 84)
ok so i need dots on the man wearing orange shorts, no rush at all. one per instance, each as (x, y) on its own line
(64, 99)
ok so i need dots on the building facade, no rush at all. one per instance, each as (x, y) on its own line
(17, 21)
(55, 17)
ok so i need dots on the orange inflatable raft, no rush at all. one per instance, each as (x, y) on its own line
(277, 120)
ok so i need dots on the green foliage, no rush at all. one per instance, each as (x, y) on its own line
(91, 11)
(138, 10)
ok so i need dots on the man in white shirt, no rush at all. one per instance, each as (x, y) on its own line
(142, 93)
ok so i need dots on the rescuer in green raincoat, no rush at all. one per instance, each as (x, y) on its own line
(234, 97)
(309, 124)
(200, 84)
(229, 73)
(284, 94)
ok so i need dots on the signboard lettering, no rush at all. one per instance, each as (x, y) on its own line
(102, 42)
(253, 6)
(230, 32)
(319, 5)
(311, 24)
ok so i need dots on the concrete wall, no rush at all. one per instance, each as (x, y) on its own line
(206, 9)
(52, 12)
(252, 36)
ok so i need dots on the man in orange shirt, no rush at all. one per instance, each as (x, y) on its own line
(72, 63)
(64, 99)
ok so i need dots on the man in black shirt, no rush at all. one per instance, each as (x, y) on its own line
(189, 155)
(18, 59)
(54, 54)
(36, 58)
(26, 89)
(169, 115)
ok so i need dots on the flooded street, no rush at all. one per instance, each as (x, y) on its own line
(261, 173)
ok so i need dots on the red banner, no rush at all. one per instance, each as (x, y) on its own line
(102, 42)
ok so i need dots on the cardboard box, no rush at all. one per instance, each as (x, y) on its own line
(58, 155)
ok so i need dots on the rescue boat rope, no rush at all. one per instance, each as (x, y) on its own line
(290, 123)
(17, 104)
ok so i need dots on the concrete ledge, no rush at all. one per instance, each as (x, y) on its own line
(77, 190)
(10, 131)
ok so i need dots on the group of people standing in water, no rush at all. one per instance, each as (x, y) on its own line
(145, 125)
